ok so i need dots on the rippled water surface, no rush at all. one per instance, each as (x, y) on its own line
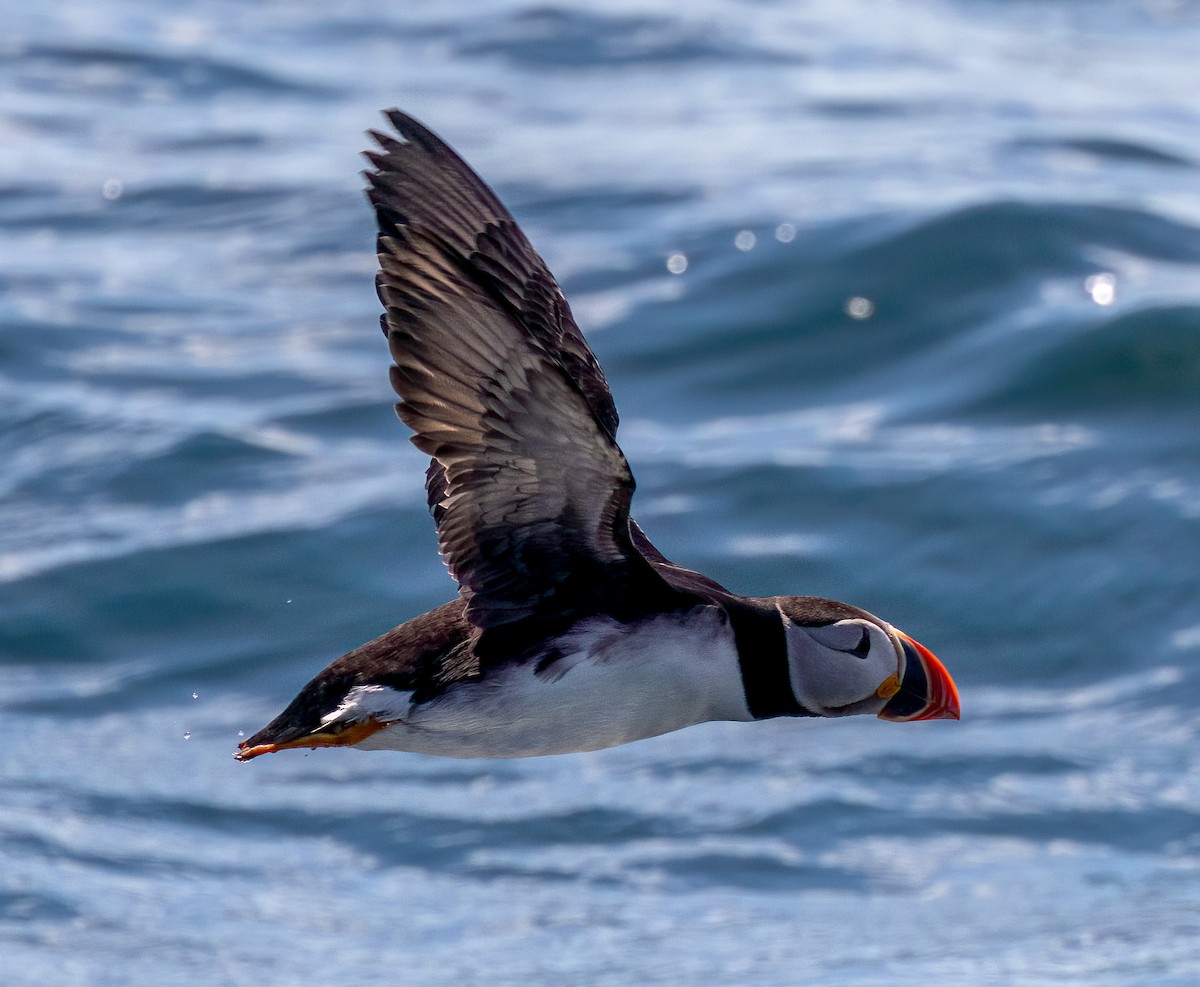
(934, 348)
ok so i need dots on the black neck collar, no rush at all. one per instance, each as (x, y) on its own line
(763, 660)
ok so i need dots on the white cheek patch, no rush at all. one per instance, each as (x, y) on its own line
(829, 680)
(365, 702)
(826, 676)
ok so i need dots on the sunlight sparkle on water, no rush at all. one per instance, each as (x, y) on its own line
(859, 308)
(1102, 288)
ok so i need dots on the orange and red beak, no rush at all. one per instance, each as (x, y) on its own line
(924, 689)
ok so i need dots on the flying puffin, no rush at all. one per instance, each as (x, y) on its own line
(571, 631)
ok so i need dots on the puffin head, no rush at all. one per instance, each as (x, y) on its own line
(843, 660)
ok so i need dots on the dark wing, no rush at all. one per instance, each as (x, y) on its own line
(686, 581)
(528, 488)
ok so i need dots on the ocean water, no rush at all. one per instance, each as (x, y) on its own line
(933, 348)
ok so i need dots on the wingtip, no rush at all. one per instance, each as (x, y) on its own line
(410, 129)
(387, 142)
(378, 159)
(380, 138)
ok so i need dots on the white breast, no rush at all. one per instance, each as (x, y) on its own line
(614, 683)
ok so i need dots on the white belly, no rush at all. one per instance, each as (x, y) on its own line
(614, 684)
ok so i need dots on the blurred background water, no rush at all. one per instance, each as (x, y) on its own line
(933, 347)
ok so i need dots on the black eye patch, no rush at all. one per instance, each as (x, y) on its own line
(837, 637)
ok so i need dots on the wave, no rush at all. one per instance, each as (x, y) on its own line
(115, 72)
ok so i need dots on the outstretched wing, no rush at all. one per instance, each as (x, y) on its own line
(528, 488)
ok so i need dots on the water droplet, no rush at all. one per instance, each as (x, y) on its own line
(745, 240)
(112, 188)
(785, 233)
(677, 263)
(1102, 288)
(859, 308)
(187, 734)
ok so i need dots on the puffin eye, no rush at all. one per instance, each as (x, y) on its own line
(850, 637)
(863, 648)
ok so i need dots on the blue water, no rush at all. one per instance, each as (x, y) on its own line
(204, 494)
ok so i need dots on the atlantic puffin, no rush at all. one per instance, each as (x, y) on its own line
(571, 631)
